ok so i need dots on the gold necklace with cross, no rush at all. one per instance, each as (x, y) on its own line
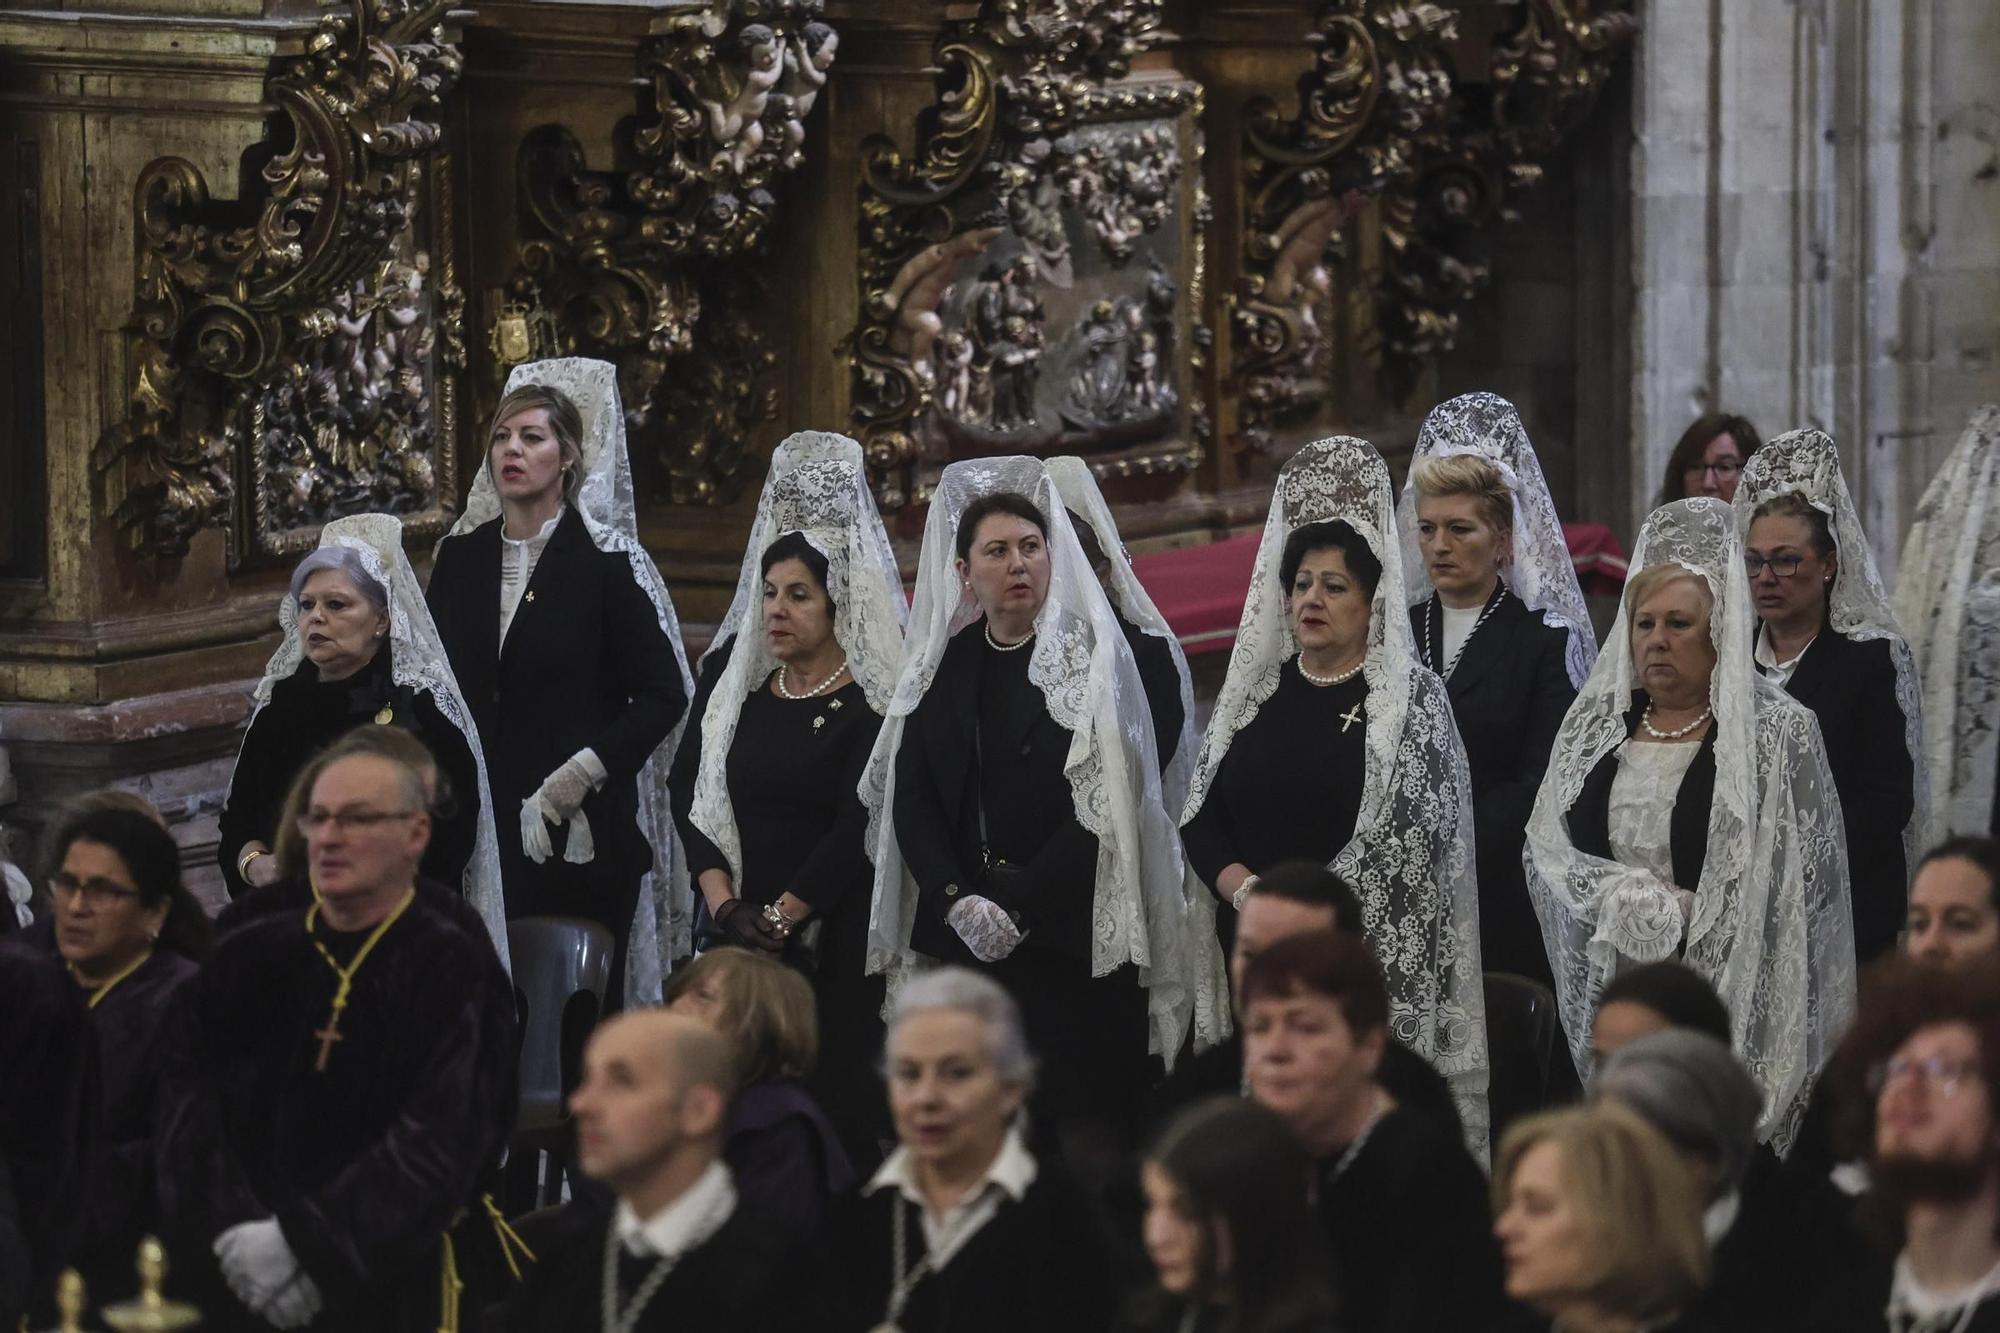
(330, 1034)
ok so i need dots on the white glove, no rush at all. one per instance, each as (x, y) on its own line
(261, 1269)
(563, 790)
(985, 927)
(581, 846)
(535, 820)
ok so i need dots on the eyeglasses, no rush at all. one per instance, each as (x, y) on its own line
(1782, 566)
(1945, 1077)
(312, 821)
(1723, 471)
(96, 892)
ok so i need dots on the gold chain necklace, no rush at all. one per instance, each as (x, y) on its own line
(97, 996)
(330, 1034)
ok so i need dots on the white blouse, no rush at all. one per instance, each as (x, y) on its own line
(518, 558)
(1641, 810)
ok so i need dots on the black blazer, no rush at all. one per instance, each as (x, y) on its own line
(1850, 684)
(937, 815)
(585, 664)
(1508, 694)
(1590, 818)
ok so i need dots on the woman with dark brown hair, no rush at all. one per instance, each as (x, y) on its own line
(1709, 458)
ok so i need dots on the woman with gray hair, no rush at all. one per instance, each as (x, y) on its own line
(351, 657)
(964, 1227)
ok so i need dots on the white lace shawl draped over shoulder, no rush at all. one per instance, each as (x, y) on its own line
(817, 488)
(1078, 489)
(1541, 573)
(1411, 857)
(1085, 672)
(417, 660)
(663, 919)
(1772, 928)
(1948, 599)
(1806, 462)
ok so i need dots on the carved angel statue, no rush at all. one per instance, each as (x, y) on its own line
(737, 126)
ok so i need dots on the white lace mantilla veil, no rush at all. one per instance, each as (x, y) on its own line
(1084, 669)
(417, 660)
(663, 919)
(1541, 573)
(1411, 857)
(1078, 489)
(818, 488)
(1807, 462)
(1773, 928)
(1948, 597)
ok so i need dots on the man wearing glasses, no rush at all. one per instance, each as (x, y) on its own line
(353, 1077)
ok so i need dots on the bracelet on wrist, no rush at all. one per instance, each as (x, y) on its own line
(243, 863)
(1242, 892)
(775, 915)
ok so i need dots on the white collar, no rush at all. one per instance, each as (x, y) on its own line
(539, 539)
(685, 1224)
(1013, 1169)
(1767, 657)
(1909, 1295)
(1721, 1216)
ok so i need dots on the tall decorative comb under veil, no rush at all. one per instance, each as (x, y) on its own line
(1078, 490)
(1772, 928)
(1411, 857)
(662, 922)
(1948, 599)
(818, 488)
(416, 660)
(1084, 670)
(1541, 573)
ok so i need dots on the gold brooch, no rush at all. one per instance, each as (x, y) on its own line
(385, 716)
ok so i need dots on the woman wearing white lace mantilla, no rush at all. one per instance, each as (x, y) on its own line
(1948, 599)
(1017, 824)
(360, 650)
(1688, 811)
(1829, 637)
(1497, 612)
(561, 632)
(1331, 743)
(767, 779)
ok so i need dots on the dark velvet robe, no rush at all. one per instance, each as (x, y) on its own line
(305, 716)
(785, 1156)
(366, 1164)
(1793, 1258)
(982, 740)
(1508, 693)
(1412, 1232)
(48, 1080)
(1589, 819)
(1850, 684)
(585, 664)
(747, 1278)
(794, 773)
(1042, 1264)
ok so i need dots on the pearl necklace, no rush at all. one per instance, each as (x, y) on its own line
(1000, 647)
(1323, 681)
(1646, 721)
(816, 691)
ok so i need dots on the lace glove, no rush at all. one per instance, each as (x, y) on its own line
(563, 790)
(985, 927)
(745, 926)
(1638, 920)
(261, 1269)
(535, 821)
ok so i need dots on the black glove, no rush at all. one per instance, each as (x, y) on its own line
(742, 924)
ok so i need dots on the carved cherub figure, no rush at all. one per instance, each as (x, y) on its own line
(737, 126)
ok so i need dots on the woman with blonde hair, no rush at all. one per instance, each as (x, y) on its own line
(1599, 1223)
(782, 1150)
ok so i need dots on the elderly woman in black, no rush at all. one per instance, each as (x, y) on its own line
(560, 629)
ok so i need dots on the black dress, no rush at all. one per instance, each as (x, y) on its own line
(794, 774)
(1290, 786)
(585, 664)
(1412, 1232)
(980, 772)
(1406, 1076)
(746, 1278)
(305, 716)
(1850, 684)
(1042, 1263)
(367, 1163)
(1509, 693)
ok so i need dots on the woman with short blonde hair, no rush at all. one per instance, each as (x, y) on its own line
(1599, 1220)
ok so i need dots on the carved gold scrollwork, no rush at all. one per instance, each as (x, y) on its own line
(224, 314)
(629, 260)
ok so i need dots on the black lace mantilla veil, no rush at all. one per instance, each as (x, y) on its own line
(1085, 672)
(1772, 928)
(1411, 857)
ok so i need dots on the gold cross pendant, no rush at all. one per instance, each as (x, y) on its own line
(1349, 718)
(327, 1035)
